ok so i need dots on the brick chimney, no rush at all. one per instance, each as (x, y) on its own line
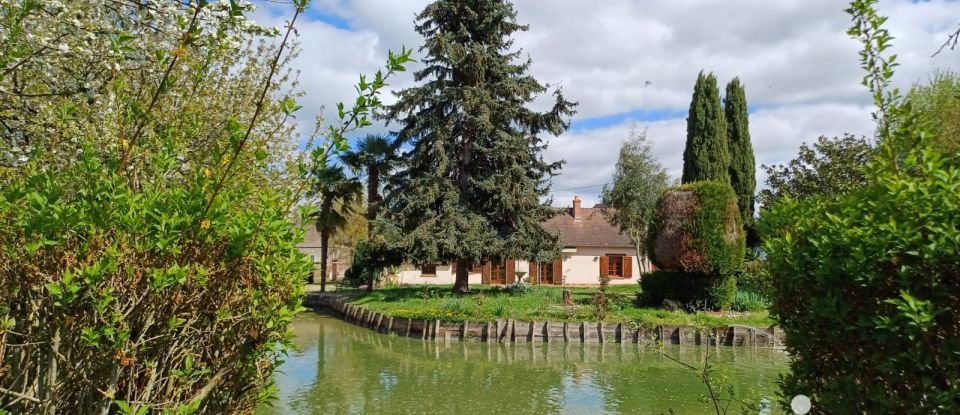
(577, 212)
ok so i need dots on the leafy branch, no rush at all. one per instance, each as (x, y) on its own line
(868, 28)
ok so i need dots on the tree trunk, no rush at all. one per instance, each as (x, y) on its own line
(460, 285)
(642, 261)
(324, 238)
(373, 197)
(373, 279)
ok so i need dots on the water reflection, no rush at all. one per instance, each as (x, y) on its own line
(343, 369)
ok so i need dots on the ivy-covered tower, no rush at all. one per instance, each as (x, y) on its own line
(706, 156)
(475, 182)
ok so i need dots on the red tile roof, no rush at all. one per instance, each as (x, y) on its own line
(592, 229)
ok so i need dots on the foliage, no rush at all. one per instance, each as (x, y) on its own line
(756, 278)
(542, 303)
(369, 260)
(377, 157)
(880, 265)
(743, 168)
(749, 301)
(831, 167)
(694, 291)
(599, 300)
(937, 102)
(723, 291)
(706, 155)
(338, 194)
(454, 305)
(355, 228)
(697, 229)
(148, 259)
(473, 180)
(517, 288)
(638, 181)
(95, 269)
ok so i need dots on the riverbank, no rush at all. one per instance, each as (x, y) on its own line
(515, 330)
(539, 303)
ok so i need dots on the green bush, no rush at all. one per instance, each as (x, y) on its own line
(722, 291)
(867, 286)
(682, 287)
(697, 228)
(129, 293)
(745, 301)
(756, 278)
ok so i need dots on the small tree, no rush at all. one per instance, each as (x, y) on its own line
(706, 156)
(337, 194)
(938, 102)
(831, 167)
(376, 156)
(638, 181)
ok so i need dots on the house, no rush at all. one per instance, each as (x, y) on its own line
(591, 246)
(339, 257)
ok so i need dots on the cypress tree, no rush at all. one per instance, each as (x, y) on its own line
(474, 180)
(742, 165)
(706, 156)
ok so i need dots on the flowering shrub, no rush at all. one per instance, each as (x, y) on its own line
(147, 177)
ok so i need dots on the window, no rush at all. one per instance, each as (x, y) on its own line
(615, 266)
(545, 271)
(498, 273)
(428, 270)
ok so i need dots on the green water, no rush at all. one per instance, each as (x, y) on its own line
(344, 369)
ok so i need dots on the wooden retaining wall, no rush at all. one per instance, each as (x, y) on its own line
(509, 330)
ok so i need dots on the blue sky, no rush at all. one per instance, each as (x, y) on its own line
(631, 65)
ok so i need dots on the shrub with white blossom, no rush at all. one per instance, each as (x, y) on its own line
(148, 171)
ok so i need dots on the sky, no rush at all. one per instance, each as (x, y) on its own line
(632, 64)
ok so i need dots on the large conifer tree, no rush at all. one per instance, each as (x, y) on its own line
(742, 165)
(475, 178)
(706, 156)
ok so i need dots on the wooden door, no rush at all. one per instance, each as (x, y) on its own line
(556, 277)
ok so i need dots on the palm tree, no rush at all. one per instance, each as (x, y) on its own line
(337, 194)
(376, 156)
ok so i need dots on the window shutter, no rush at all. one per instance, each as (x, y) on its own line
(534, 272)
(511, 266)
(558, 271)
(485, 272)
(604, 266)
(627, 266)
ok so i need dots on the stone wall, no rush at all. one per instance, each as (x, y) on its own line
(510, 330)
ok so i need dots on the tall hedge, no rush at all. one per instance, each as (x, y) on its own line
(742, 164)
(867, 290)
(706, 156)
(697, 228)
(697, 235)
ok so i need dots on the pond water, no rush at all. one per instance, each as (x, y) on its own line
(343, 369)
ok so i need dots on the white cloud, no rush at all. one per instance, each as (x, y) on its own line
(800, 68)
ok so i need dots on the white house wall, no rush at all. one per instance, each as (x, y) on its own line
(445, 276)
(579, 268)
(583, 266)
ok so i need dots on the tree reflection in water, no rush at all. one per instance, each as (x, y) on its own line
(343, 369)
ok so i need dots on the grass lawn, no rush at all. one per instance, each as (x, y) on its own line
(540, 303)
